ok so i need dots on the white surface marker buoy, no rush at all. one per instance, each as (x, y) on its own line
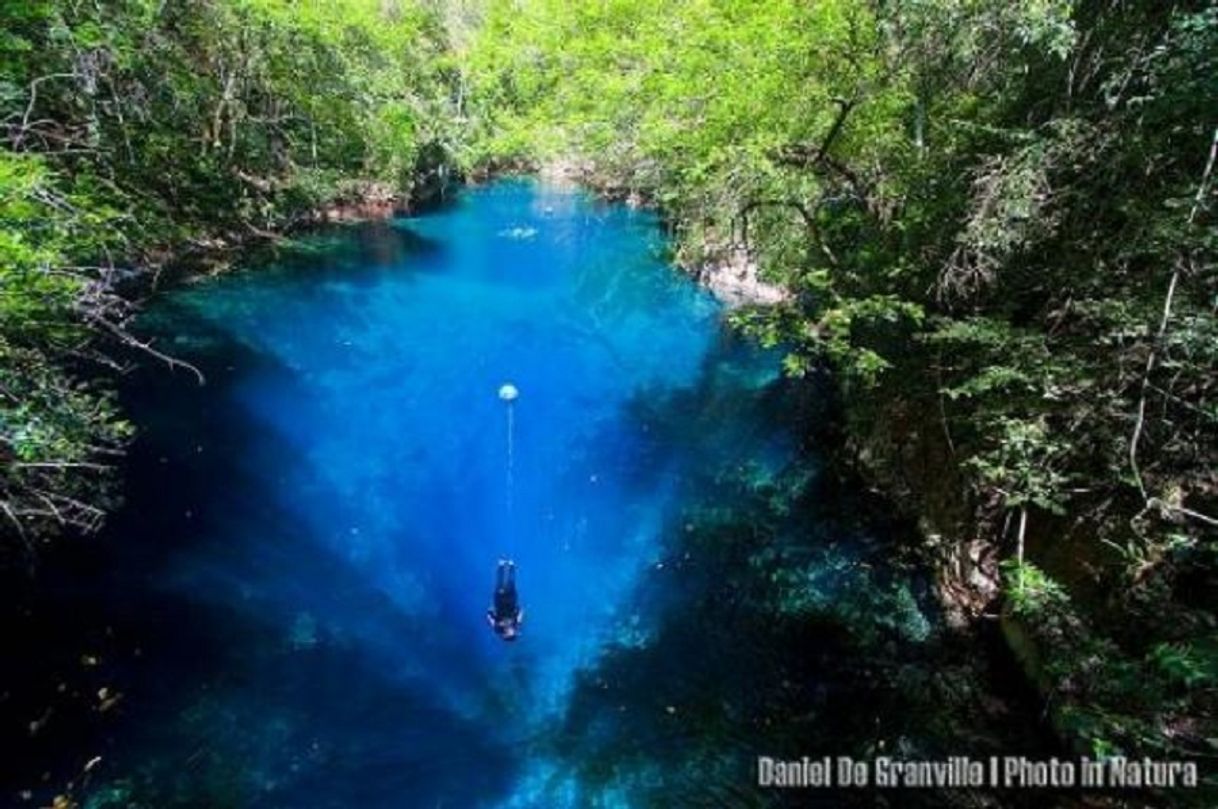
(508, 392)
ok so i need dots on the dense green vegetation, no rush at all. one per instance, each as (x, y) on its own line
(143, 131)
(994, 219)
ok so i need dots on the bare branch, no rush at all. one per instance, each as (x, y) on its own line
(29, 107)
(1153, 357)
(129, 339)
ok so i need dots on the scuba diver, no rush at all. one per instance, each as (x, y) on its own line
(505, 615)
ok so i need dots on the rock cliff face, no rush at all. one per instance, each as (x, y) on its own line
(362, 201)
(734, 277)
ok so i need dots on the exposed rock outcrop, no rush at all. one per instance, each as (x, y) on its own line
(733, 275)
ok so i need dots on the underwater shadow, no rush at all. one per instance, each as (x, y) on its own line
(785, 621)
(257, 664)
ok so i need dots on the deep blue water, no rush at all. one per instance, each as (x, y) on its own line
(288, 610)
(310, 538)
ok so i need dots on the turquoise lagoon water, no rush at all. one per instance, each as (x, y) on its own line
(328, 510)
(294, 594)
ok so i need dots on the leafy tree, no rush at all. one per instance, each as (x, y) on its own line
(995, 223)
(142, 130)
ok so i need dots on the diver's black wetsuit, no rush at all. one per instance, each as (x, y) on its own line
(505, 614)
